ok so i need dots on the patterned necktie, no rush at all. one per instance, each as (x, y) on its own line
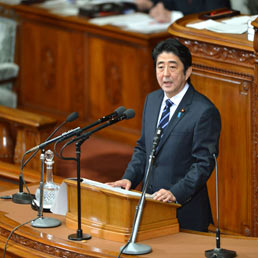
(165, 114)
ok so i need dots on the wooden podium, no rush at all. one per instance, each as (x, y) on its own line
(109, 214)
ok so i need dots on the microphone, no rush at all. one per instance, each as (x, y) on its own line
(78, 130)
(156, 139)
(131, 247)
(73, 116)
(128, 114)
(25, 198)
(117, 113)
(218, 252)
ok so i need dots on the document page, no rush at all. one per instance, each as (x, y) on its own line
(235, 25)
(108, 187)
(138, 22)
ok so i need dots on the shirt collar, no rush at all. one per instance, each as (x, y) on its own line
(177, 98)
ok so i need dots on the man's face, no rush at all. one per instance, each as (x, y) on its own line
(170, 73)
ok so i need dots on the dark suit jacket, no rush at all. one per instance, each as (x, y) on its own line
(183, 161)
(193, 6)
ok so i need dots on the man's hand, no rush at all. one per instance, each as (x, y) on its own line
(164, 196)
(144, 5)
(160, 14)
(124, 183)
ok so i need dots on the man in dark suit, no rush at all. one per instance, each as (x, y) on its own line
(183, 160)
(161, 10)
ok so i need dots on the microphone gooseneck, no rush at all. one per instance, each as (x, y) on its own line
(128, 114)
(70, 118)
(63, 136)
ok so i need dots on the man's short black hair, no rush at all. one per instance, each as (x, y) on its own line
(172, 45)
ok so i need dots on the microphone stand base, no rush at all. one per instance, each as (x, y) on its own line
(76, 237)
(45, 223)
(220, 253)
(134, 248)
(22, 198)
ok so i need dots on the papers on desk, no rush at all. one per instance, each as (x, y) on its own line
(138, 22)
(61, 7)
(60, 204)
(235, 25)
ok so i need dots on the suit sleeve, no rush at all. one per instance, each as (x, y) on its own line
(206, 134)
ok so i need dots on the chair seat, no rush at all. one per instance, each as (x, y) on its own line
(8, 71)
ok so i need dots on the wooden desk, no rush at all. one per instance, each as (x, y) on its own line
(52, 242)
(67, 64)
(225, 69)
(20, 131)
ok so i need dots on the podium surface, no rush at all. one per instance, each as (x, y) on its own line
(109, 213)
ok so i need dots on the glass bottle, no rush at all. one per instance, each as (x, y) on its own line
(50, 188)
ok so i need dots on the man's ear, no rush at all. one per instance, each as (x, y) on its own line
(188, 72)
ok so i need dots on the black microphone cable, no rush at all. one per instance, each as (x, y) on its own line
(11, 233)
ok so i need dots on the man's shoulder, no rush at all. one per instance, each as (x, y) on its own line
(157, 92)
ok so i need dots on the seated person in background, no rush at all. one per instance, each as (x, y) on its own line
(162, 10)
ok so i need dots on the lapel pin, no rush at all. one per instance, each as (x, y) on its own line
(180, 113)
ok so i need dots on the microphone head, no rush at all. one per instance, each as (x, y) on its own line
(157, 137)
(120, 110)
(212, 150)
(159, 131)
(129, 113)
(73, 116)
